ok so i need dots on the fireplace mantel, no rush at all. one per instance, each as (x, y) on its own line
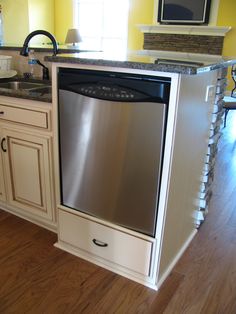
(185, 29)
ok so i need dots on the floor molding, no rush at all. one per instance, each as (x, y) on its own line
(176, 259)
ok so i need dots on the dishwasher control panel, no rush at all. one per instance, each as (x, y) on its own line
(115, 86)
(108, 92)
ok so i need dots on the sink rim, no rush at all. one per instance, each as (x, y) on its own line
(41, 89)
(23, 85)
(36, 87)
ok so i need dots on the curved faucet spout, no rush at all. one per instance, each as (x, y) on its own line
(24, 50)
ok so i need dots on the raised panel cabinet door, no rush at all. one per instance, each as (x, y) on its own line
(28, 172)
(2, 185)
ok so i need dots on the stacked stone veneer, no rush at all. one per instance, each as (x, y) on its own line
(207, 177)
(184, 43)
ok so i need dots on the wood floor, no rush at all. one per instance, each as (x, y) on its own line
(36, 278)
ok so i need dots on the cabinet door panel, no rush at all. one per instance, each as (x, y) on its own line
(26, 159)
(28, 175)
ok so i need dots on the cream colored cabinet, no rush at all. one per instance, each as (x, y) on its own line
(26, 161)
(27, 176)
(108, 245)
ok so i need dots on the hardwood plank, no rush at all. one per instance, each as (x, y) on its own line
(34, 288)
(221, 298)
(16, 264)
(129, 298)
(14, 233)
(3, 214)
(166, 293)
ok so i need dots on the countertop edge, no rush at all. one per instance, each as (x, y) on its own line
(171, 68)
(122, 64)
(22, 95)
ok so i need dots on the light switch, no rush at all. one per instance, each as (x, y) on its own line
(210, 93)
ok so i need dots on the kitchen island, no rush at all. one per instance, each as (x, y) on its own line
(196, 93)
(194, 113)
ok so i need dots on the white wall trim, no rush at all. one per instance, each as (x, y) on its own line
(75, 14)
(196, 57)
(214, 12)
(185, 29)
(176, 259)
(44, 223)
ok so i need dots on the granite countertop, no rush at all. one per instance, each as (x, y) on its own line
(26, 94)
(142, 62)
(47, 48)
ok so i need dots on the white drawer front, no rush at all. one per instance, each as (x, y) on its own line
(24, 116)
(122, 249)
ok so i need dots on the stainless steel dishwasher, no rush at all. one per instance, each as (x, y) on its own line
(111, 139)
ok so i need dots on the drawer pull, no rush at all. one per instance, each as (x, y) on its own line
(2, 141)
(1, 112)
(99, 243)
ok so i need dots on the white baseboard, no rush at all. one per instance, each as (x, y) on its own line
(176, 259)
(49, 225)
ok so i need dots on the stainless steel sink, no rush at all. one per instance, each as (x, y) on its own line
(22, 85)
(41, 90)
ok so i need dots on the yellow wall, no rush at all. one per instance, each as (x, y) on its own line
(15, 20)
(63, 18)
(20, 17)
(140, 12)
(226, 17)
(41, 16)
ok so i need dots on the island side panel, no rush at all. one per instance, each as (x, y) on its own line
(190, 146)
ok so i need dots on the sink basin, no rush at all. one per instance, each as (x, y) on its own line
(41, 90)
(21, 85)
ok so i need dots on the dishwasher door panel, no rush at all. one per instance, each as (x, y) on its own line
(110, 158)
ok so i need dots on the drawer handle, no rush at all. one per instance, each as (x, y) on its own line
(99, 243)
(2, 147)
(1, 112)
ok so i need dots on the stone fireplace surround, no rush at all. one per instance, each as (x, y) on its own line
(184, 38)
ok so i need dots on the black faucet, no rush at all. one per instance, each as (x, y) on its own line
(24, 50)
(45, 70)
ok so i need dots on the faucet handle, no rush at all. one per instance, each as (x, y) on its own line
(45, 73)
(45, 70)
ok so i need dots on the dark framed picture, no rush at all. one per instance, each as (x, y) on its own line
(184, 11)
